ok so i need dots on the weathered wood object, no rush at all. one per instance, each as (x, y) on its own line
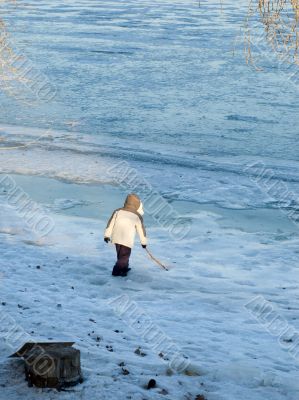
(52, 365)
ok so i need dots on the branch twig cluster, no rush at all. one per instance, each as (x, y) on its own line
(280, 19)
(8, 57)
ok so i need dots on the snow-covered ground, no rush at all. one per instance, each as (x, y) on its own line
(225, 262)
(199, 303)
(161, 86)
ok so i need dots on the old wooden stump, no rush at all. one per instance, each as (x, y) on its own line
(51, 365)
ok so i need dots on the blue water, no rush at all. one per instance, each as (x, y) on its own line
(153, 71)
(165, 86)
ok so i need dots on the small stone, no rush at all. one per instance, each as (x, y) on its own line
(125, 371)
(38, 267)
(151, 384)
(139, 352)
(3, 303)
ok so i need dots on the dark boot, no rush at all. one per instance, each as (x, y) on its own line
(125, 272)
(121, 268)
(116, 271)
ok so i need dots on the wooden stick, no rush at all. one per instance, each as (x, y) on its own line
(156, 260)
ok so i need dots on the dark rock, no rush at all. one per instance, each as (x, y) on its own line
(125, 371)
(139, 352)
(151, 384)
(288, 340)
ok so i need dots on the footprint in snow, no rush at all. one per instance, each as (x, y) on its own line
(98, 281)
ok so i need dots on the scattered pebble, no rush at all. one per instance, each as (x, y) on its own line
(151, 384)
(125, 371)
(139, 352)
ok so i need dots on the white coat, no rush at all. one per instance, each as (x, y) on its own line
(123, 225)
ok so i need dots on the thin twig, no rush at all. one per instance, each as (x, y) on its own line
(156, 260)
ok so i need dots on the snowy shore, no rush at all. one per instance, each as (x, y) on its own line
(200, 303)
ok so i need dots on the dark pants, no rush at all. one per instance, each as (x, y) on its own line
(123, 256)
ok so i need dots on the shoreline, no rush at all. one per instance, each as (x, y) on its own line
(90, 201)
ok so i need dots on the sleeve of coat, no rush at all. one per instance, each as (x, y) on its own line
(110, 225)
(141, 232)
